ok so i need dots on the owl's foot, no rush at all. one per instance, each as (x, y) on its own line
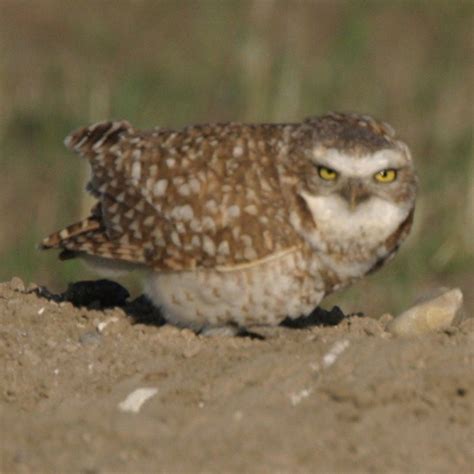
(227, 330)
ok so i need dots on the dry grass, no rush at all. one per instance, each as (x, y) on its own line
(66, 63)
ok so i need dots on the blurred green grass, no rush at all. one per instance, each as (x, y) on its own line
(64, 64)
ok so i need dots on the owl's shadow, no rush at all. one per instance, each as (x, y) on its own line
(318, 317)
(142, 311)
(102, 294)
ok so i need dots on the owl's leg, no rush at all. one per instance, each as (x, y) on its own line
(227, 330)
(230, 330)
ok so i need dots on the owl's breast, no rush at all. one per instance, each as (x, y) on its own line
(262, 293)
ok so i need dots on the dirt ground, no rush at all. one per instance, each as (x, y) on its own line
(347, 397)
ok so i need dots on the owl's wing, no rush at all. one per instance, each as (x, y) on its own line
(202, 197)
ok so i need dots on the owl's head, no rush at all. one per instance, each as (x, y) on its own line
(354, 159)
(356, 179)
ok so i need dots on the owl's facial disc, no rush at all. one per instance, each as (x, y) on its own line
(354, 198)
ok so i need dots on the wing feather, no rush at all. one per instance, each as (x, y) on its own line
(201, 197)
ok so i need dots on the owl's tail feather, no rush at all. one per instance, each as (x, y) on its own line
(61, 238)
(89, 236)
(90, 141)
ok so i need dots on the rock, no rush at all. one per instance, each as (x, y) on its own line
(435, 312)
(385, 319)
(16, 284)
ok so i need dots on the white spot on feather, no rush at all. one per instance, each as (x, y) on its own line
(208, 245)
(136, 170)
(140, 206)
(184, 190)
(129, 214)
(149, 221)
(223, 248)
(238, 151)
(233, 211)
(187, 212)
(194, 185)
(251, 209)
(160, 187)
(208, 224)
(249, 253)
(175, 239)
(211, 206)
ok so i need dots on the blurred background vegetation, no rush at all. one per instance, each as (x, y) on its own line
(66, 63)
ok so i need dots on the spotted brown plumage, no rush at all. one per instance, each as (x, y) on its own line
(246, 201)
(198, 197)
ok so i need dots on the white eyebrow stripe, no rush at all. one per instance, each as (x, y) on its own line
(360, 166)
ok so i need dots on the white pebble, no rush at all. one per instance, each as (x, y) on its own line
(295, 398)
(103, 324)
(136, 399)
(336, 350)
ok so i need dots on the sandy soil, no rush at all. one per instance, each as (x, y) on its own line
(342, 398)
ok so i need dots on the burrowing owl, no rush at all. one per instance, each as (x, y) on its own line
(239, 225)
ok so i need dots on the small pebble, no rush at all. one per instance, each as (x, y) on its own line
(296, 398)
(385, 319)
(437, 312)
(16, 284)
(136, 399)
(336, 350)
(103, 324)
(89, 338)
(191, 350)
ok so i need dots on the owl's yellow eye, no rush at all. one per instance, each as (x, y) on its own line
(327, 173)
(386, 176)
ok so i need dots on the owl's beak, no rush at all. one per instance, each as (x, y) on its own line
(354, 192)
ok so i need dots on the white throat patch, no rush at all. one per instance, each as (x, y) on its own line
(369, 225)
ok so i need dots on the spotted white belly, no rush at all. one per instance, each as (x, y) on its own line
(264, 293)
